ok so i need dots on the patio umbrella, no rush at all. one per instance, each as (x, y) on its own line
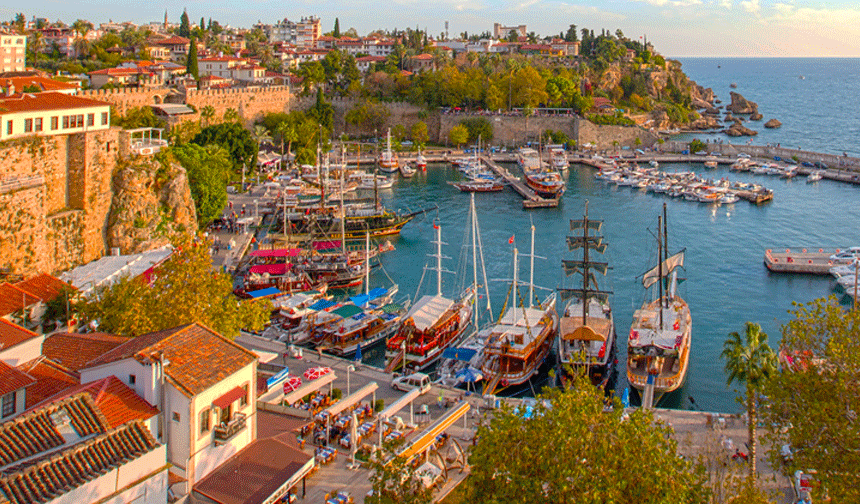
(316, 372)
(358, 354)
(292, 383)
(469, 375)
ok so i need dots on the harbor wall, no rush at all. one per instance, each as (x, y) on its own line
(765, 151)
(608, 137)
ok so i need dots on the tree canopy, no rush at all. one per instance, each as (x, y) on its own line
(814, 402)
(208, 168)
(183, 290)
(232, 136)
(573, 450)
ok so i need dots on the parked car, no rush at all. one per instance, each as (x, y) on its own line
(406, 383)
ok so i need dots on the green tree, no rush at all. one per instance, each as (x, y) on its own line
(202, 24)
(184, 289)
(261, 135)
(478, 126)
(207, 113)
(208, 169)
(137, 117)
(336, 32)
(696, 145)
(749, 359)
(420, 135)
(813, 403)
(234, 138)
(573, 450)
(184, 25)
(287, 133)
(191, 65)
(458, 135)
(322, 111)
(395, 480)
(231, 115)
(82, 27)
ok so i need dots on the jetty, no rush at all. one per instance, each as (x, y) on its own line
(804, 261)
(530, 198)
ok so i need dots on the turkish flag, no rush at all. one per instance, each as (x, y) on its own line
(511, 240)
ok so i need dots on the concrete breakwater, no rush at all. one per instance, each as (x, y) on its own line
(832, 161)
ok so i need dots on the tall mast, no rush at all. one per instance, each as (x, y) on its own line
(342, 218)
(438, 260)
(516, 280)
(666, 251)
(660, 267)
(367, 263)
(532, 270)
(474, 256)
(585, 266)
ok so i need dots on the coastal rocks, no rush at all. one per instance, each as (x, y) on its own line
(705, 94)
(611, 78)
(706, 122)
(657, 81)
(151, 204)
(730, 118)
(755, 116)
(773, 123)
(741, 105)
(737, 129)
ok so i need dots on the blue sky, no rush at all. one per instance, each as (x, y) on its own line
(677, 27)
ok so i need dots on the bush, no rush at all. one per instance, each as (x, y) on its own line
(379, 405)
(478, 126)
(336, 394)
(696, 145)
(616, 119)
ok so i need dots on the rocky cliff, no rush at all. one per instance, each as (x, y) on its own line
(151, 204)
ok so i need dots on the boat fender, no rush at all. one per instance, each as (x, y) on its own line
(789, 260)
(810, 261)
(820, 250)
(504, 382)
(787, 251)
(804, 251)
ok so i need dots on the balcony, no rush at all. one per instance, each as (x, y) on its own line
(224, 432)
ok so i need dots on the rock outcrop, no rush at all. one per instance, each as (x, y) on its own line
(741, 105)
(151, 204)
(706, 122)
(773, 123)
(756, 116)
(737, 129)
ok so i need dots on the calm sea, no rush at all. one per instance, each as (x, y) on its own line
(727, 283)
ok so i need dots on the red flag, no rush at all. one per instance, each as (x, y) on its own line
(511, 239)
(435, 226)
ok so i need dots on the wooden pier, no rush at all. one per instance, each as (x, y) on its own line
(530, 198)
(811, 262)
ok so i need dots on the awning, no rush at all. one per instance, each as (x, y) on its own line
(428, 310)
(308, 387)
(428, 437)
(269, 291)
(347, 311)
(272, 269)
(392, 308)
(229, 398)
(462, 354)
(400, 403)
(322, 304)
(275, 253)
(353, 398)
(363, 299)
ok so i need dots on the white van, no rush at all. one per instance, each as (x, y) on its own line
(409, 382)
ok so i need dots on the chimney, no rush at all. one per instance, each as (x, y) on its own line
(11, 90)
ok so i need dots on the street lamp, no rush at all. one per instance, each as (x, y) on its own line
(348, 369)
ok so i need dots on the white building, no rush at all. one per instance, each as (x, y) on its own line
(67, 452)
(303, 33)
(203, 384)
(51, 114)
(13, 52)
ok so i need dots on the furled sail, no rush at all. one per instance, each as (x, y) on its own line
(593, 243)
(579, 224)
(574, 266)
(584, 294)
(653, 275)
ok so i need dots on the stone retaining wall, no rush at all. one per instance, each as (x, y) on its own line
(769, 152)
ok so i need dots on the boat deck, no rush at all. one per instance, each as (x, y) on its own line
(804, 261)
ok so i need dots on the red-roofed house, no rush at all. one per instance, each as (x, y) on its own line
(50, 380)
(44, 286)
(230, 67)
(204, 384)
(30, 83)
(421, 62)
(51, 113)
(73, 351)
(13, 383)
(18, 344)
(119, 76)
(365, 62)
(178, 47)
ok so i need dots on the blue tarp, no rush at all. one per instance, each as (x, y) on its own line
(463, 354)
(322, 304)
(363, 299)
(269, 291)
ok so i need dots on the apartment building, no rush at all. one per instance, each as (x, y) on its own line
(13, 49)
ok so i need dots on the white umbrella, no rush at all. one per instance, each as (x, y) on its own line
(353, 436)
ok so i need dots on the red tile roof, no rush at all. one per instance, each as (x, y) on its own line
(12, 334)
(13, 298)
(50, 380)
(46, 101)
(192, 350)
(116, 400)
(423, 57)
(119, 71)
(43, 83)
(73, 351)
(45, 287)
(371, 59)
(12, 379)
(174, 40)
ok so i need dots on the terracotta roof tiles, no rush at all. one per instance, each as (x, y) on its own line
(13, 334)
(12, 379)
(45, 287)
(43, 83)
(50, 379)
(46, 101)
(117, 401)
(73, 351)
(13, 298)
(174, 40)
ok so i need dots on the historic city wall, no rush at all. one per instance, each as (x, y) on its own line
(252, 103)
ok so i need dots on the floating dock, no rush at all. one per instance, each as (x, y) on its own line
(530, 198)
(814, 262)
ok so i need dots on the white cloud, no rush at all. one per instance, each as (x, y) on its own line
(726, 3)
(752, 6)
(676, 3)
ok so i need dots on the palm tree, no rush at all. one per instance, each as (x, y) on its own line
(230, 115)
(261, 134)
(287, 132)
(207, 113)
(752, 361)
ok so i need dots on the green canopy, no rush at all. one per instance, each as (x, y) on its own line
(347, 311)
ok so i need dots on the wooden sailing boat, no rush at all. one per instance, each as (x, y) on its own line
(587, 329)
(658, 349)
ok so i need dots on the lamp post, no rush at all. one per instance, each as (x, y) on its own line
(348, 370)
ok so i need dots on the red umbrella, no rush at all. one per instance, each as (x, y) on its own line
(292, 383)
(314, 373)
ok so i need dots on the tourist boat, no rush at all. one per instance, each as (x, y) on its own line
(407, 171)
(545, 182)
(814, 176)
(658, 349)
(654, 163)
(431, 325)
(358, 219)
(519, 343)
(369, 181)
(421, 161)
(587, 330)
(388, 161)
(479, 186)
(558, 157)
(710, 162)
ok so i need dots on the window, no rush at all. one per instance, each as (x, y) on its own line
(55, 123)
(8, 404)
(8, 127)
(132, 379)
(243, 401)
(66, 122)
(104, 118)
(38, 124)
(205, 421)
(28, 125)
(91, 119)
(175, 416)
